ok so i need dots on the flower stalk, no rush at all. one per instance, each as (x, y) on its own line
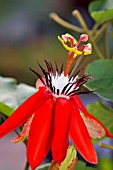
(91, 33)
(103, 145)
(101, 31)
(63, 23)
(77, 14)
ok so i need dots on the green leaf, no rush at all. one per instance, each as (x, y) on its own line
(80, 165)
(90, 168)
(44, 167)
(103, 113)
(102, 85)
(102, 16)
(101, 10)
(12, 94)
(99, 5)
(105, 164)
(6, 110)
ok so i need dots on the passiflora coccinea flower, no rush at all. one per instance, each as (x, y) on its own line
(52, 115)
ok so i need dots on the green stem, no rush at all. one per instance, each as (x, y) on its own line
(101, 31)
(26, 166)
(94, 29)
(103, 145)
(106, 46)
(77, 14)
(62, 22)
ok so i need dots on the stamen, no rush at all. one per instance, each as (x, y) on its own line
(83, 38)
(79, 41)
(73, 50)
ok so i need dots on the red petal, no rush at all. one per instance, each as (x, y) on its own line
(80, 137)
(25, 131)
(41, 134)
(23, 112)
(62, 120)
(83, 109)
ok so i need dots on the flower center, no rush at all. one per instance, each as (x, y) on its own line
(60, 81)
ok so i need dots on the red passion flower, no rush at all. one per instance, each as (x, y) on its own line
(53, 115)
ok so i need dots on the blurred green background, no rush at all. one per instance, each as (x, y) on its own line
(27, 34)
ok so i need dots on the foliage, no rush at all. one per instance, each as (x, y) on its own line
(5, 109)
(12, 94)
(102, 85)
(80, 165)
(103, 113)
(105, 164)
(101, 10)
